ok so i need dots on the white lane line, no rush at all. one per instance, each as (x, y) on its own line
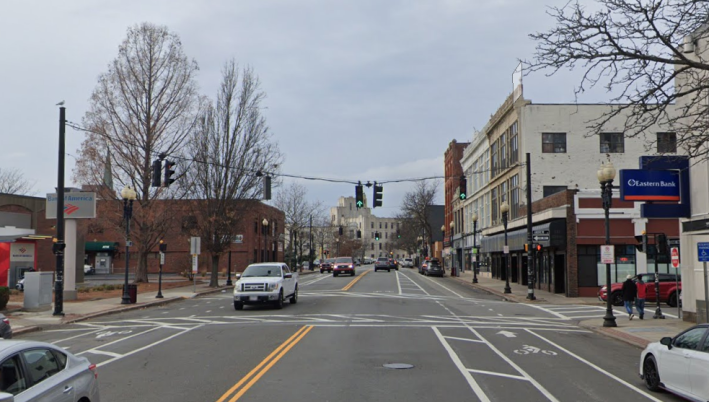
(147, 346)
(516, 367)
(581, 359)
(77, 336)
(444, 287)
(463, 339)
(398, 283)
(461, 367)
(516, 377)
(116, 341)
(563, 317)
(418, 286)
(209, 311)
(316, 280)
(103, 352)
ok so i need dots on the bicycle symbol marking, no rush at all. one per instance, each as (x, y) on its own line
(111, 333)
(526, 350)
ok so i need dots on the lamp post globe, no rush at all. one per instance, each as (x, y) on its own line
(128, 195)
(475, 247)
(505, 208)
(264, 222)
(606, 174)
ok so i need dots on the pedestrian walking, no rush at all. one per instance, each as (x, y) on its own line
(629, 290)
(640, 299)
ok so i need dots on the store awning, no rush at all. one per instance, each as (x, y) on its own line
(100, 246)
(9, 234)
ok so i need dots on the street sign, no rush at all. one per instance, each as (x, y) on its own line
(540, 238)
(541, 232)
(607, 255)
(195, 265)
(673, 242)
(237, 239)
(162, 258)
(675, 257)
(703, 251)
(506, 249)
(195, 245)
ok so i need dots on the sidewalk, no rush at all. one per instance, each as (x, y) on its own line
(635, 332)
(23, 322)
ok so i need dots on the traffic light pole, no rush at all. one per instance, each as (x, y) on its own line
(531, 250)
(658, 310)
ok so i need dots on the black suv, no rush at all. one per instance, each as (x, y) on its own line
(431, 267)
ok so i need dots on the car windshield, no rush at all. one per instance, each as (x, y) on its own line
(262, 270)
(382, 259)
(330, 260)
(344, 259)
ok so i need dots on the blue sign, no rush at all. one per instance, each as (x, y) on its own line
(703, 252)
(649, 185)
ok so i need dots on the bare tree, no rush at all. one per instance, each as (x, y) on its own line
(232, 147)
(323, 234)
(292, 200)
(13, 181)
(634, 48)
(414, 210)
(146, 103)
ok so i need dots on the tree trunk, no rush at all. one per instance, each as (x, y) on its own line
(214, 278)
(141, 273)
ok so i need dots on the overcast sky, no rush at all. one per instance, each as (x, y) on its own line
(369, 90)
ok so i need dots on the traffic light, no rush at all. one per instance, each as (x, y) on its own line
(398, 234)
(526, 247)
(642, 242)
(163, 246)
(157, 167)
(662, 248)
(463, 188)
(378, 190)
(267, 187)
(167, 180)
(376, 235)
(538, 247)
(359, 196)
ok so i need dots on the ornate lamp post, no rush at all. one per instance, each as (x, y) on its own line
(606, 174)
(505, 208)
(475, 247)
(264, 223)
(454, 271)
(128, 195)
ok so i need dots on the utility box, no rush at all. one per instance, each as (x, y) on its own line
(38, 291)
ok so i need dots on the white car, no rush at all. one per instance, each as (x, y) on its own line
(38, 371)
(679, 365)
(267, 282)
(89, 270)
(408, 263)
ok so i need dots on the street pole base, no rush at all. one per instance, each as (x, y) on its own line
(508, 290)
(475, 280)
(658, 315)
(228, 283)
(125, 299)
(159, 296)
(61, 313)
(609, 321)
(531, 296)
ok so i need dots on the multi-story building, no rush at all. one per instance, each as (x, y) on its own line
(563, 157)
(453, 222)
(351, 219)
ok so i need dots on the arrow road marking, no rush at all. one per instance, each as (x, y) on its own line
(508, 334)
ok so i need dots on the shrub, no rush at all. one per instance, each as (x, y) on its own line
(4, 297)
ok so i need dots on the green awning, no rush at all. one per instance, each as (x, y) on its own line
(100, 246)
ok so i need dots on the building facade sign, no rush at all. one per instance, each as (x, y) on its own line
(22, 252)
(77, 205)
(649, 185)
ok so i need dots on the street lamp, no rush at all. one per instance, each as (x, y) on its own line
(128, 195)
(265, 239)
(606, 174)
(475, 247)
(505, 208)
(454, 271)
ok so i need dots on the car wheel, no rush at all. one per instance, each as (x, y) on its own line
(238, 305)
(672, 301)
(294, 298)
(389, 270)
(651, 374)
(617, 298)
(353, 272)
(321, 271)
(375, 270)
(279, 303)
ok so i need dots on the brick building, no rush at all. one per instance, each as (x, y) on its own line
(452, 241)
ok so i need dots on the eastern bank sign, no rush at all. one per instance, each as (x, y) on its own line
(649, 185)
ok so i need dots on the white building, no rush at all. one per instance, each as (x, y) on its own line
(352, 219)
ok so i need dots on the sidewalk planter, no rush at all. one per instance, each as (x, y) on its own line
(132, 293)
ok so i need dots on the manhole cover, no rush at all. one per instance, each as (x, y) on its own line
(399, 366)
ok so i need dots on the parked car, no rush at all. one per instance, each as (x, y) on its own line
(343, 265)
(316, 263)
(5, 328)
(433, 267)
(20, 285)
(266, 282)
(669, 290)
(679, 365)
(382, 263)
(408, 263)
(39, 371)
(327, 265)
(89, 270)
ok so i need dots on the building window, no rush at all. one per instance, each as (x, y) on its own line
(554, 143)
(666, 143)
(612, 143)
(494, 160)
(514, 196)
(493, 202)
(372, 246)
(503, 151)
(372, 225)
(380, 225)
(514, 145)
(380, 246)
(549, 190)
(386, 225)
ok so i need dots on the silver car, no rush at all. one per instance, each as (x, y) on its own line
(39, 371)
(5, 328)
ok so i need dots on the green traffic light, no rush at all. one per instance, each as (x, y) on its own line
(462, 196)
(360, 204)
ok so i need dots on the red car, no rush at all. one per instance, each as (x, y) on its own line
(668, 289)
(327, 265)
(343, 265)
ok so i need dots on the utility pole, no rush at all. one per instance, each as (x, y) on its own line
(310, 245)
(59, 246)
(530, 248)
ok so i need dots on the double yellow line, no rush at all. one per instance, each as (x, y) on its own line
(255, 374)
(352, 283)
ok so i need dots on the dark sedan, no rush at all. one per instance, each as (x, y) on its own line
(432, 267)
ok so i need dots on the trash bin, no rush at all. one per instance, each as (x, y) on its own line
(132, 293)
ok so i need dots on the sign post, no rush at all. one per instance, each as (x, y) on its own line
(675, 263)
(195, 247)
(703, 254)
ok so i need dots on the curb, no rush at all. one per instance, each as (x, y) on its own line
(26, 330)
(619, 335)
(121, 310)
(484, 289)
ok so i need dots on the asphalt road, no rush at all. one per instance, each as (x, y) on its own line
(333, 345)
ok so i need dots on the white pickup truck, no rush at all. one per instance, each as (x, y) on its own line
(268, 282)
